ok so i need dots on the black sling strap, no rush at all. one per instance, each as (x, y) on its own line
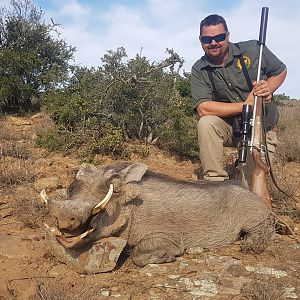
(209, 73)
(244, 68)
(245, 72)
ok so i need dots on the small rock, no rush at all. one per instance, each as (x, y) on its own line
(289, 292)
(195, 250)
(266, 271)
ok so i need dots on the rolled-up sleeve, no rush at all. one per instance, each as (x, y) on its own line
(272, 65)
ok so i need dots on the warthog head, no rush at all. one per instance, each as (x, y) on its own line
(93, 202)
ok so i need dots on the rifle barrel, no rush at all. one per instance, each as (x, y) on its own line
(263, 25)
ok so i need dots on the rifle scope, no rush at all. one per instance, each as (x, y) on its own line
(245, 132)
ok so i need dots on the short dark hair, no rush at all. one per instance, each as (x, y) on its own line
(213, 20)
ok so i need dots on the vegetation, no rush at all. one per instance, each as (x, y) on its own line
(31, 60)
(98, 110)
(288, 133)
(127, 100)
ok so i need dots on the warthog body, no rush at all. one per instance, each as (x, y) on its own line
(158, 216)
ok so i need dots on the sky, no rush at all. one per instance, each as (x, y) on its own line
(151, 26)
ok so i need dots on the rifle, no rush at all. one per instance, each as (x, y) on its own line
(252, 134)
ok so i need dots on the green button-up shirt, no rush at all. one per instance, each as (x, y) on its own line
(229, 79)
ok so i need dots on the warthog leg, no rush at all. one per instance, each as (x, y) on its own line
(155, 250)
(258, 238)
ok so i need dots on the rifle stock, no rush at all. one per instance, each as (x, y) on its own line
(258, 167)
(261, 169)
(259, 178)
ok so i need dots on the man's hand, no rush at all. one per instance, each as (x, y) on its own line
(262, 89)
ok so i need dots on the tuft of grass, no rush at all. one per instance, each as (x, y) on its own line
(16, 171)
(261, 289)
(14, 149)
(284, 203)
(31, 212)
(9, 133)
(288, 135)
(50, 291)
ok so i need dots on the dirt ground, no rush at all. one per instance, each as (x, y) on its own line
(29, 270)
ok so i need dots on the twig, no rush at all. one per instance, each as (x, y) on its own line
(30, 277)
(288, 226)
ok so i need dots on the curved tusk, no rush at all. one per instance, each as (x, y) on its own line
(54, 230)
(69, 242)
(103, 202)
(44, 196)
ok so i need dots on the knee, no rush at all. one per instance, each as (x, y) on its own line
(208, 124)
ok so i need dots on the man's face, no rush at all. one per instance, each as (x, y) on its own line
(216, 51)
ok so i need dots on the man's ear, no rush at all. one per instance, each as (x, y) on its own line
(133, 173)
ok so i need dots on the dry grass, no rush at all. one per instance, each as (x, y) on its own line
(9, 133)
(262, 289)
(14, 149)
(284, 203)
(288, 135)
(15, 156)
(49, 291)
(16, 171)
(30, 211)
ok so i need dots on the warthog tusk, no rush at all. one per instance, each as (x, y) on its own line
(54, 230)
(44, 196)
(67, 242)
(103, 202)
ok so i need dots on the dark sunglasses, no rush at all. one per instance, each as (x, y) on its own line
(208, 39)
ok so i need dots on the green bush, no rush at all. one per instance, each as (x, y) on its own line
(57, 140)
(180, 136)
(110, 142)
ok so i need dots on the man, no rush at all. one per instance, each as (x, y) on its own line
(220, 89)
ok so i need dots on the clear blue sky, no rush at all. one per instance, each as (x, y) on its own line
(95, 27)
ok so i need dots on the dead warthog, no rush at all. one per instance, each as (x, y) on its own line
(156, 216)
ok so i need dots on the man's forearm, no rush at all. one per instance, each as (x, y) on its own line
(275, 82)
(219, 109)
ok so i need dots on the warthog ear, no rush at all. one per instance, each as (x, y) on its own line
(133, 173)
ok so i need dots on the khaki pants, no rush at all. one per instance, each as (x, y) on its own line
(213, 134)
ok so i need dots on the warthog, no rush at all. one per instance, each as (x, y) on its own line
(158, 217)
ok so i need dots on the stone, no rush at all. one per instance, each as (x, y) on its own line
(98, 257)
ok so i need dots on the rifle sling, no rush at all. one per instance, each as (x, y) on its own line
(245, 72)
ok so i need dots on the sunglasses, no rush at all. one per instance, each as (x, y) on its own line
(208, 39)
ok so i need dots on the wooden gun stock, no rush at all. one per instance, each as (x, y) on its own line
(259, 176)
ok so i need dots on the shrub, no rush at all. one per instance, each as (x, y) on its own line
(180, 136)
(57, 139)
(31, 59)
(288, 135)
